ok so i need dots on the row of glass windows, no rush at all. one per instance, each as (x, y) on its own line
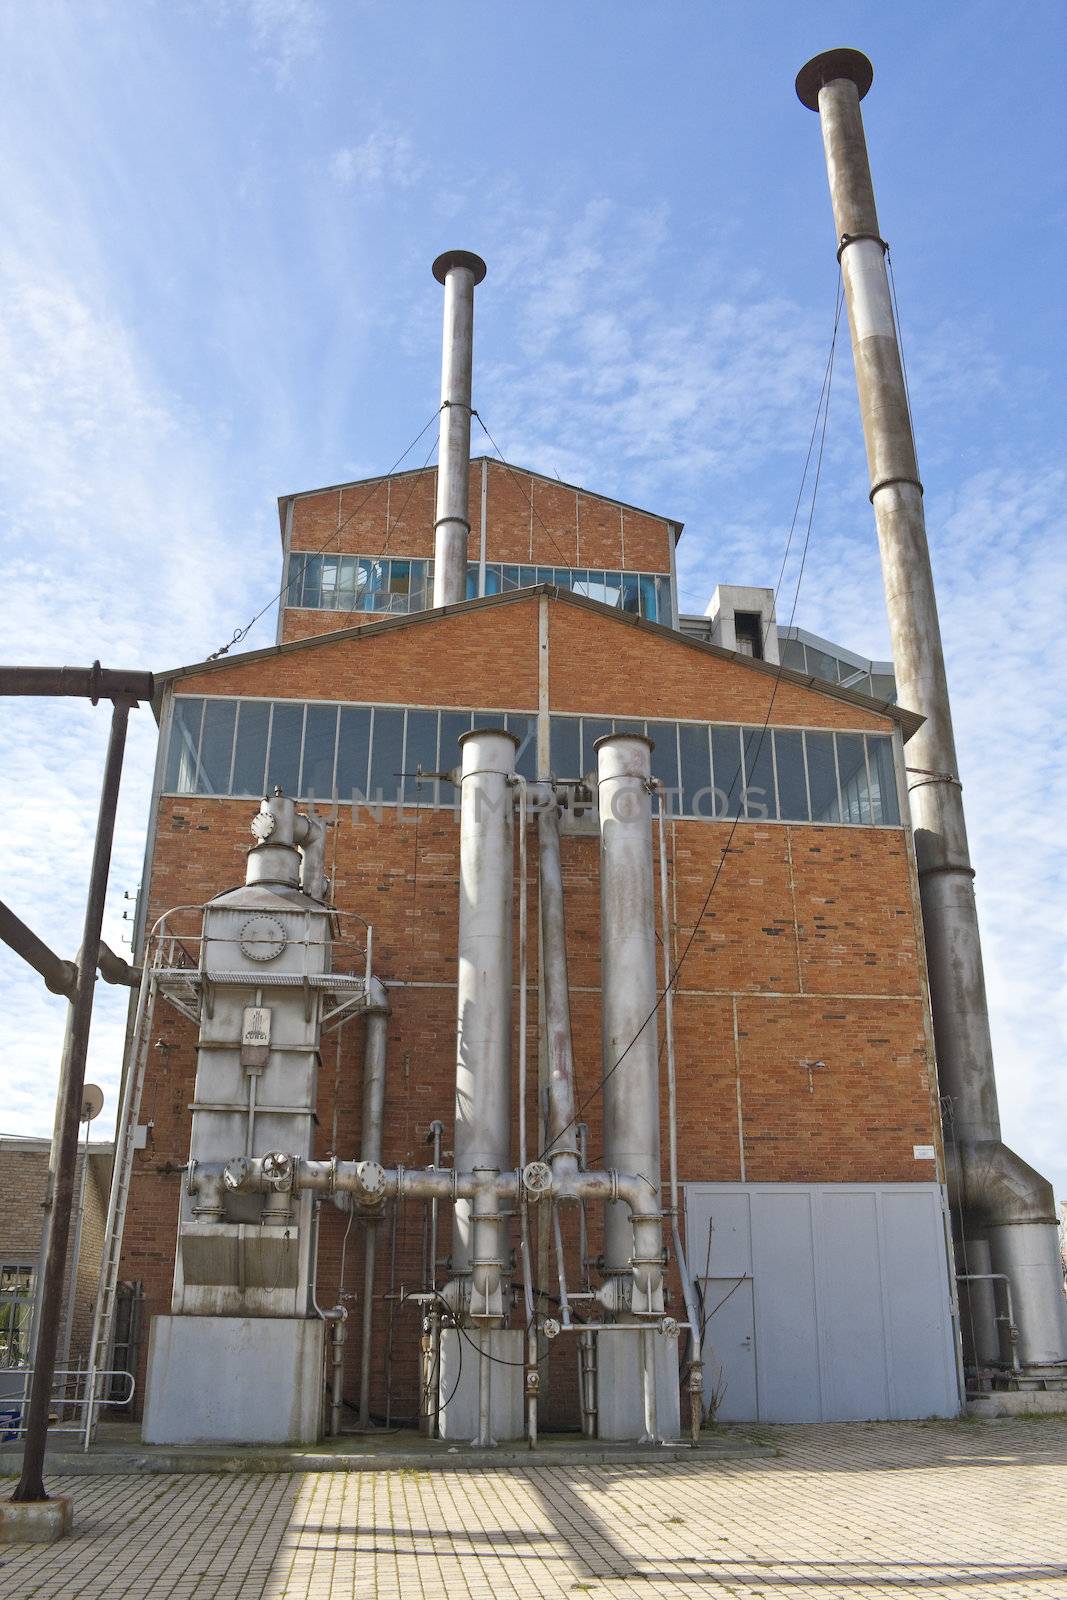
(376, 753)
(392, 585)
(832, 669)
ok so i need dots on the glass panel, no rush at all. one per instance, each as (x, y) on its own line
(180, 777)
(509, 578)
(329, 582)
(631, 594)
(525, 730)
(613, 588)
(216, 747)
(820, 665)
(353, 748)
(792, 654)
(471, 590)
(453, 725)
(664, 736)
(822, 777)
(492, 580)
(296, 579)
(346, 583)
(320, 737)
(792, 791)
(545, 575)
(855, 794)
(527, 577)
(695, 769)
(283, 765)
(760, 804)
(400, 577)
(578, 581)
(387, 754)
(664, 608)
(566, 747)
(250, 750)
(564, 578)
(312, 581)
(885, 807)
(420, 751)
(593, 728)
(726, 754)
(624, 725)
(595, 587)
(884, 687)
(646, 584)
(488, 719)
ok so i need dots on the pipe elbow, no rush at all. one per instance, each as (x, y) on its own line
(377, 1000)
(999, 1188)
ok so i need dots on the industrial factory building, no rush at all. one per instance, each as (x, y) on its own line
(536, 1029)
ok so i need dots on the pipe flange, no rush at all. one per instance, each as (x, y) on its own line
(372, 1180)
(550, 1328)
(235, 1173)
(669, 1328)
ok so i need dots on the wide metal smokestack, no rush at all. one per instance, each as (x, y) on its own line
(459, 271)
(1004, 1200)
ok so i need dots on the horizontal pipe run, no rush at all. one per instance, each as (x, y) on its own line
(87, 683)
(59, 976)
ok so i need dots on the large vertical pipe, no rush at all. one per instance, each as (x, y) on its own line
(72, 1084)
(483, 1003)
(459, 271)
(374, 1072)
(1001, 1195)
(628, 979)
(561, 1146)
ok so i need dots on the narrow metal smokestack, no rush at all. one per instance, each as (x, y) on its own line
(1004, 1200)
(459, 271)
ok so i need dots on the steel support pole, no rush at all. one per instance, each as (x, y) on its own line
(1002, 1197)
(31, 1483)
(459, 271)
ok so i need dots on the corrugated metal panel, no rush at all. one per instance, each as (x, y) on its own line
(825, 1302)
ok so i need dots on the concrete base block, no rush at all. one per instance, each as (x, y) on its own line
(35, 1521)
(620, 1405)
(459, 1383)
(234, 1380)
(1018, 1403)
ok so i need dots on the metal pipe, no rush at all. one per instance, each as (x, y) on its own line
(648, 1386)
(833, 84)
(561, 1145)
(87, 683)
(374, 1081)
(482, 1139)
(998, 1277)
(59, 976)
(459, 271)
(561, 1273)
(484, 1437)
(696, 1368)
(587, 1382)
(628, 980)
(339, 1333)
(523, 808)
(31, 1482)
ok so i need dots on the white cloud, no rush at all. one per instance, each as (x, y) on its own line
(285, 33)
(385, 159)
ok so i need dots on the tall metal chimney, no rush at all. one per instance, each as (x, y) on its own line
(1002, 1199)
(459, 271)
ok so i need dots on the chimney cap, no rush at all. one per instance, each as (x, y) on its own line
(823, 69)
(458, 258)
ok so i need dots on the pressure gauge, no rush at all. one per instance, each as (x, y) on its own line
(263, 938)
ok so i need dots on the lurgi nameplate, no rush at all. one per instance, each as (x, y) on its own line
(255, 1036)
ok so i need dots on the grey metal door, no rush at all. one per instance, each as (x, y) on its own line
(729, 1349)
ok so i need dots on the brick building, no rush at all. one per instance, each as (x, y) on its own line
(23, 1191)
(809, 1136)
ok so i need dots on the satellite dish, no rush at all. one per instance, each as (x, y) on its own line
(92, 1102)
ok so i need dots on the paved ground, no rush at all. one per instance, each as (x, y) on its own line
(965, 1510)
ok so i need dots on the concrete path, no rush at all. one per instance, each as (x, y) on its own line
(974, 1511)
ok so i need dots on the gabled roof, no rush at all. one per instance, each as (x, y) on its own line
(909, 721)
(497, 461)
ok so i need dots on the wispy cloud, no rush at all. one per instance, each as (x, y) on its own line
(385, 159)
(285, 33)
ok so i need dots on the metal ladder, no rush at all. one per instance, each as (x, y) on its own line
(103, 1314)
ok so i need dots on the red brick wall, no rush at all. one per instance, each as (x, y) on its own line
(529, 521)
(810, 948)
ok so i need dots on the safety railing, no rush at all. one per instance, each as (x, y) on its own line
(70, 1393)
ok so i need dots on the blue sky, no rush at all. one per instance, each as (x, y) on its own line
(216, 226)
